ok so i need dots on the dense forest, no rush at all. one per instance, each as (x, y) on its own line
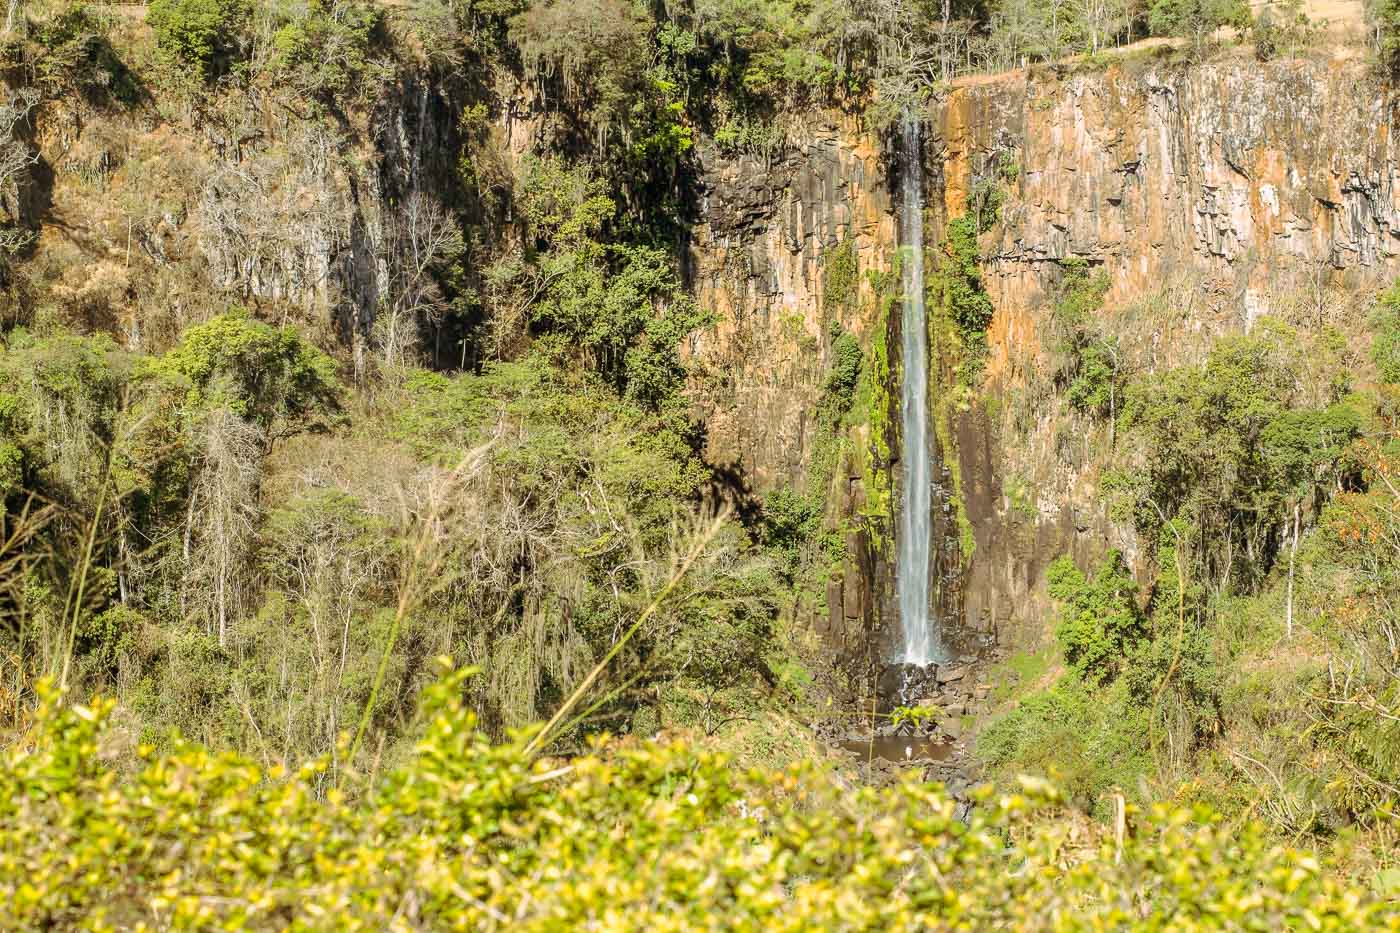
(366, 560)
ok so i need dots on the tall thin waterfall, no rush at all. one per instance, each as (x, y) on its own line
(912, 569)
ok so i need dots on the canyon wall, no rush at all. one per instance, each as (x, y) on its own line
(1243, 174)
(1210, 194)
(762, 255)
(147, 227)
(1220, 192)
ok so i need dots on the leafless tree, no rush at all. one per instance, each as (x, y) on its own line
(422, 238)
(221, 516)
(16, 156)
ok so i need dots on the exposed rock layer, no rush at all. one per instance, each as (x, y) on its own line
(1237, 183)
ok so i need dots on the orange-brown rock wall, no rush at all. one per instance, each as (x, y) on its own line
(1248, 175)
(761, 256)
(1223, 188)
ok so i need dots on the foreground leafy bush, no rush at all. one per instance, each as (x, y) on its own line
(470, 835)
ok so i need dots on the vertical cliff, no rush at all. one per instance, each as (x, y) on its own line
(1210, 196)
(770, 234)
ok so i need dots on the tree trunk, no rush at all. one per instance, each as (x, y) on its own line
(1292, 553)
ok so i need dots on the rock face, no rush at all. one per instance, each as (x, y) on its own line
(762, 260)
(1222, 193)
(249, 202)
(1229, 189)
(292, 216)
(1250, 174)
(906, 684)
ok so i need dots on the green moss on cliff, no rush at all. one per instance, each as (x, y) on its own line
(875, 402)
(953, 401)
(957, 297)
(959, 314)
(807, 525)
(841, 276)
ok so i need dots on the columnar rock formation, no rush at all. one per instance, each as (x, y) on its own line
(1238, 184)
(1251, 176)
(760, 256)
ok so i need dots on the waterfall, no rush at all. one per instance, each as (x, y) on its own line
(912, 567)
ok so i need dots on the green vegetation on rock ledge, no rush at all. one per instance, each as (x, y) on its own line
(961, 304)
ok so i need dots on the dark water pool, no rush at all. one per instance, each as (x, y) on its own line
(894, 748)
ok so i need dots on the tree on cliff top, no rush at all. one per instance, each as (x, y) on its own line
(1384, 19)
(1197, 20)
(197, 32)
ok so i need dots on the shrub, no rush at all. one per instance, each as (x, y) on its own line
(1197, 19)
(839, 386)
(965, 301)
(789, 522)
(959, 298)
(266, 375)
(469, 835)
(327, 52)
(1100, 618)
(1088, 741)
(1385, 340)
(196, 31)
(840, 275)
(1384, 17)
(1090, 369)
(1081, 297)
(1097, 383)
(73, 52)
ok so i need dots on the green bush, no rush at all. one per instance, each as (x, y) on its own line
(964, 299)
(1097, 383)
(1081, 297)
(1229, 448)
(469, 835)
(1088, 741)
(72, 51)
(1197, 19)
(327, 52)
(267, 375)
(1385, 330)
(1384, 16)
(1090, 370)
(197, 31)
(1099, 618)
(840, 275)
(59, 403)
(790, 521)
(842, 376)
(618, 308)
(957, 296)
(1284, 28)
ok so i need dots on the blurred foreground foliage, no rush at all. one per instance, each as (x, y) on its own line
(470, 834)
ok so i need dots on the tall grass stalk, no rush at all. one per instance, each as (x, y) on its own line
(679, 574)
(73, 606)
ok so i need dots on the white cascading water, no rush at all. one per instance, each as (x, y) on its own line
(912, 568)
